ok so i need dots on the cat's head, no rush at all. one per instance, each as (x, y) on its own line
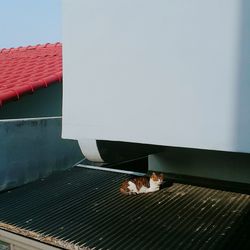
(158, 178)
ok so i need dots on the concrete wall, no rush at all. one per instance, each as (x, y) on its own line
(32, 149)
(31, 146)
(163, 72)
(11, 241)
(225, 166)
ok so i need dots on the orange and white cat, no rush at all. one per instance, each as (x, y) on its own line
(142, 185)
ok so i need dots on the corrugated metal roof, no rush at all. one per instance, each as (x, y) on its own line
(25, 69)
(82, 209)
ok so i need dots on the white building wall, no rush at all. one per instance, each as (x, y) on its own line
(162, 72)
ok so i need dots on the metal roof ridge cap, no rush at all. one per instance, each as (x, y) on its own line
(111, 170)
(31, 119)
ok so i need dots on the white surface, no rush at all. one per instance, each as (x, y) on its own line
(90, 150)
(160, 72)
(111, 170)
(21, 242)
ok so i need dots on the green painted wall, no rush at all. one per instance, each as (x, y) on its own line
(45, 102)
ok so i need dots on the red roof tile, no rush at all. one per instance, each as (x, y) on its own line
(26, 69)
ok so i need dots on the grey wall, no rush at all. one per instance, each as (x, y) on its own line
(32, 149)
(242, 138)
(31, 146)
(162, 72)
(226, 166)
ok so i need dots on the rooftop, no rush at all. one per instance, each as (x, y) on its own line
(23, 70)
(82, 208)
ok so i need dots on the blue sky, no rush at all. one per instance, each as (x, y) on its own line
(30, 22)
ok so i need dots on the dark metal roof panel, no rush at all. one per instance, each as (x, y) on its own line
(82, 209)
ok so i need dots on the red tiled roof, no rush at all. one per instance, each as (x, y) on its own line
(26, 69)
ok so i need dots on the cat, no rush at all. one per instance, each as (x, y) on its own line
(143, 184)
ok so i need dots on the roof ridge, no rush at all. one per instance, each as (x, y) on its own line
(30, 47)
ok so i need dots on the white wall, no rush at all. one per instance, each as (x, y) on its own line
(160, 72)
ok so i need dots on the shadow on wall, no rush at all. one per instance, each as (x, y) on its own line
(243, 95)
(32, 149)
